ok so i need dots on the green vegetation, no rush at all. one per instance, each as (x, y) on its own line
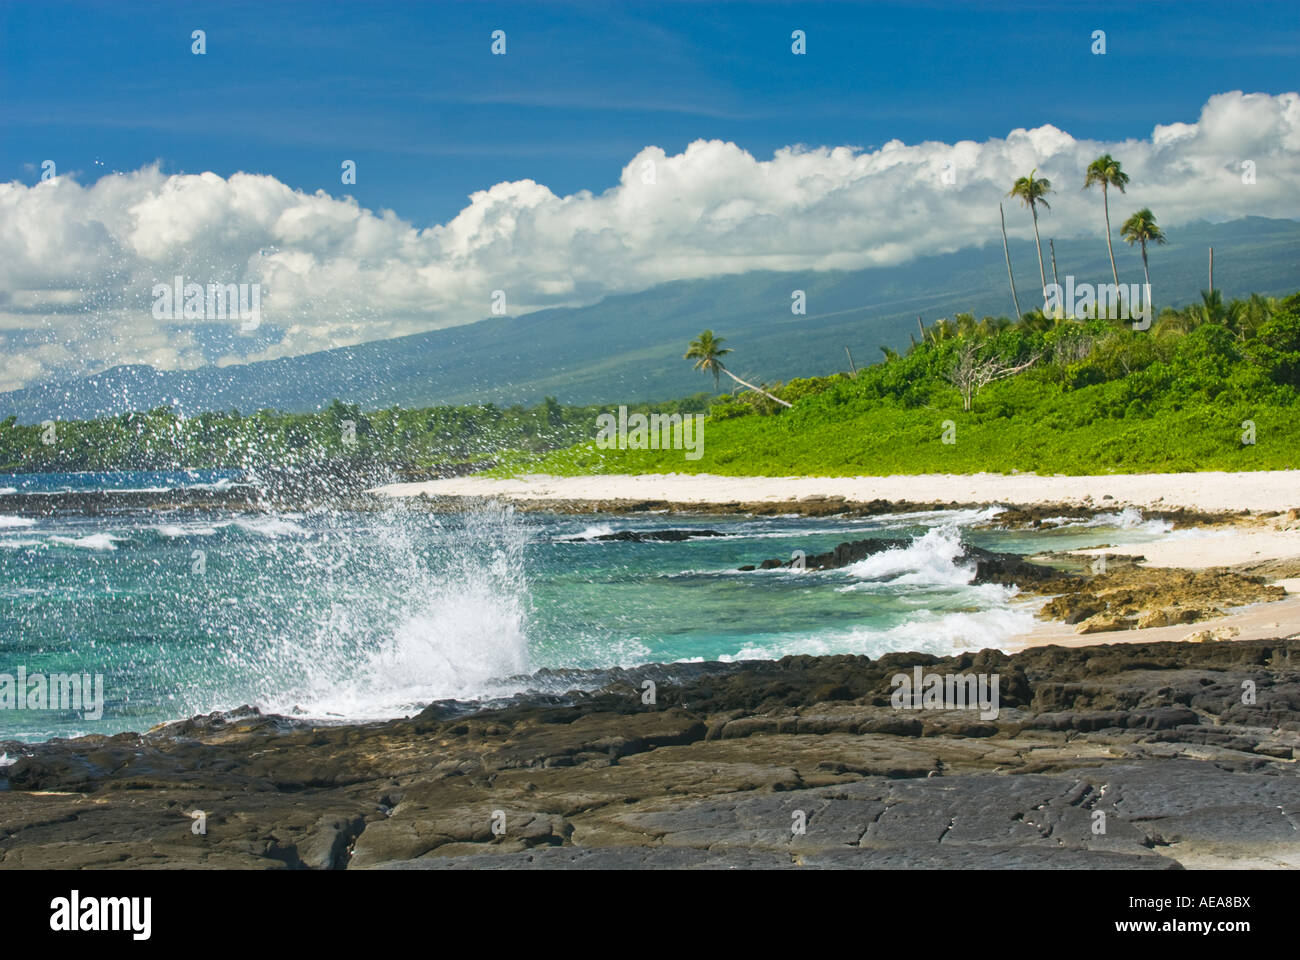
(435, 438)
(1093, 396)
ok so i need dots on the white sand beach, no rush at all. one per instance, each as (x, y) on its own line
(1211, 491)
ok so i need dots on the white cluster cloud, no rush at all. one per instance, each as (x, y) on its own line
(78, 262)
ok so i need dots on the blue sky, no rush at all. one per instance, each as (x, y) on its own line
(411, 92)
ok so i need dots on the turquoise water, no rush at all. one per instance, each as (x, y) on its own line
(352, 615)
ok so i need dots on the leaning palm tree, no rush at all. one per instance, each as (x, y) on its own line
(1031, 192)
(1141, 228)
(1105, 170)
(707, 352)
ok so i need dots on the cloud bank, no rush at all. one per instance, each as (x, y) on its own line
(78, 263)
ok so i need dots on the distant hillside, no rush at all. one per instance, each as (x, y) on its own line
(629, 348)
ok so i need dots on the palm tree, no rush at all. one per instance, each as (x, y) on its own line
(1105, 170)
(1141, 228)
(1031, 193)
(707, 351)
(1210, 308)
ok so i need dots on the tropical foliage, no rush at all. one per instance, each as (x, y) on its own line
(1209, 386)
(342, 435)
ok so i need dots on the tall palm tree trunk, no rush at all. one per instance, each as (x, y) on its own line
(1056, 279)
(745, 383)
(1146, 272)
(1105, 201)
(1007, 251)
(1042, 274)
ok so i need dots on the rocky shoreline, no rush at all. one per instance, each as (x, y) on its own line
(1146, 756)
(1122, 596)
(1025, 516)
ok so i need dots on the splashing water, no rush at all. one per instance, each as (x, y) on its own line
(453, 619)
(930, 560)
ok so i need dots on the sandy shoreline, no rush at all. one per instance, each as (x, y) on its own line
(1217, 491)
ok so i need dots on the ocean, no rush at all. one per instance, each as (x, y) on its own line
(370, 614)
